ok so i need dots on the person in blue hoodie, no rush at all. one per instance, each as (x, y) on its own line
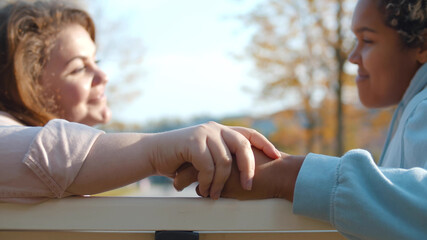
(360, 199)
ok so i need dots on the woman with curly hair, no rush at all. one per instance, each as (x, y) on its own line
(52, 91)
(359, 198)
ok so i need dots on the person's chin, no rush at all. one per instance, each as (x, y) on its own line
(374, 102)
(106, 115)
(103, 117)
(365, 97)
(100, 117)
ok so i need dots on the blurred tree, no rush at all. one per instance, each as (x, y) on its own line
(300, 47)
(365, 128)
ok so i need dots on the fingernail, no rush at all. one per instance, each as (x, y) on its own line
(206, 193)
(198, 191)
(176, 187)
(278, 153)
(215, 196)
(248, 185)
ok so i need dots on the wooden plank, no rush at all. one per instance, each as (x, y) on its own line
(42, 235)
(151, 214)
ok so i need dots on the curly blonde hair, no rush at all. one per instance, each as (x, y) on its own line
(27, 34)
(408, 17)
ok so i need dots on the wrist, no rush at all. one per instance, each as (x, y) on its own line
(153, 148)
(166, 154)
(289, 170)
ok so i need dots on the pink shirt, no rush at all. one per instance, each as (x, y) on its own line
(38, 163)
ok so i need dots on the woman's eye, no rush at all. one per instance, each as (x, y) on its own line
(78, 70)
(362, 40)
(367, 40)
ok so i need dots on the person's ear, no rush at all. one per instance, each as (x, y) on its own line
(422, 51)
(422, 56)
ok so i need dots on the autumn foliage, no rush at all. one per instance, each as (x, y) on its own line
(364, 128)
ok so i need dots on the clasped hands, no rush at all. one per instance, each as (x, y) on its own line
(233, 162)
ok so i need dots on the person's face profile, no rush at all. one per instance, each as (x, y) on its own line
(385, 65)
(72, 78)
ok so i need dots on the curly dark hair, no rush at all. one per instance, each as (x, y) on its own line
(408, 17)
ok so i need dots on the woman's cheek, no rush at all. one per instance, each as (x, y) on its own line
(77, 93)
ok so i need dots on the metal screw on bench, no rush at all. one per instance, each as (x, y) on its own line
(176, 235)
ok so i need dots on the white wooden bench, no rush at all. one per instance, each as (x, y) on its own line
(125, 218)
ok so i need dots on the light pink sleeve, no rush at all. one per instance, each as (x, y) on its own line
(41, 162)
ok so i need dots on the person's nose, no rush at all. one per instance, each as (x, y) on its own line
(100, 77)
(354, 56)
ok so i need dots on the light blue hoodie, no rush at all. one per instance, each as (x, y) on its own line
(364, 201)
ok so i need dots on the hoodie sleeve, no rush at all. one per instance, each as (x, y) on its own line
(362, 200)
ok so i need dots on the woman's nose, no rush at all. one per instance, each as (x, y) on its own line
(354, 56)
(100, 77)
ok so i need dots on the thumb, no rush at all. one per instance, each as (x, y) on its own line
(198, 192)
(185, 176)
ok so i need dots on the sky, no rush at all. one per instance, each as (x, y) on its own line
(188, 68)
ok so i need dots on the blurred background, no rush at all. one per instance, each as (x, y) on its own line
(279, 66)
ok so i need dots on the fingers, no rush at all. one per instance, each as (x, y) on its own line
(239, 145)
(259, 141)
(214, 164)
(185, 176)
(223, 159)
(198, 191)
(210, 153)
(204, 163)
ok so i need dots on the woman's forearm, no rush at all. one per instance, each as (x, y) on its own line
(115, 160)
(122, 158)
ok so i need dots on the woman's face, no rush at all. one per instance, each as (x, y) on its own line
(74, 80)
(386, 67)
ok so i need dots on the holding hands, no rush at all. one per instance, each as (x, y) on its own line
(273, 178)
(209, 148)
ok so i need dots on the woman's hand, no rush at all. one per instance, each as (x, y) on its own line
(210, 148)
(273, 178)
